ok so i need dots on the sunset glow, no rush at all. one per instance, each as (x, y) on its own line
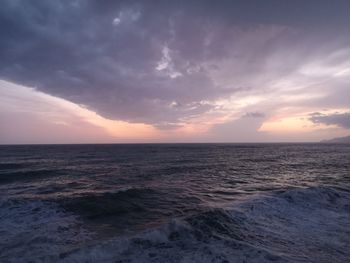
(197, 131)
(125, 77)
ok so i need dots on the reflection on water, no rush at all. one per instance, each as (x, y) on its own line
(104, 191)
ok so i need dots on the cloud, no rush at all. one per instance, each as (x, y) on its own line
(255, 114)
(339, 119)
(244, 129)
(168, 63)
(30, 116)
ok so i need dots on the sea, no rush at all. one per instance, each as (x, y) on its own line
(175, 203)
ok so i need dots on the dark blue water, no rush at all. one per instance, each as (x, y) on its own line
(175, 203)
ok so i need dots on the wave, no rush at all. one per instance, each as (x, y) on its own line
(296, 225)
(102, 205)
(132, 208)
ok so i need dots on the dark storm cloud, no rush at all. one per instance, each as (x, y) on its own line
(339, 119)
(151, 61)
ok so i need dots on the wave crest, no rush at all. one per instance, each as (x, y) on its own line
(297, 225)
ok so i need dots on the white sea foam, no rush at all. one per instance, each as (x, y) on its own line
(35, 230)
(299, 225)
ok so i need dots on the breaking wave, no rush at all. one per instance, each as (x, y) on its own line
(295, 225)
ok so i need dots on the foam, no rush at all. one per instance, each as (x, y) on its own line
(298, 225)
(31, 230)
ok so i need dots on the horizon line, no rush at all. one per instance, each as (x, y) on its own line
(147, 143)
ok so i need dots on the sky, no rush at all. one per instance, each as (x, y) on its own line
(85, 71)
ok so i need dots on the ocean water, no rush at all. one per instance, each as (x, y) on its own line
(175, 203)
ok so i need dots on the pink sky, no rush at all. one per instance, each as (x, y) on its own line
(174, 71)
(31, 116)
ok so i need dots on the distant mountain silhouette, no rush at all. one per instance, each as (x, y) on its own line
(338, 140)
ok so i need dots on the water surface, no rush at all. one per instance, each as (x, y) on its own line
(175, 203)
